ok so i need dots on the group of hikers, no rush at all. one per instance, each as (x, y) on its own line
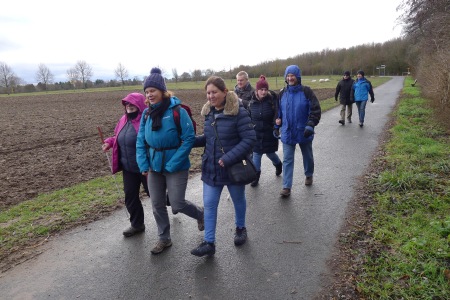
(153, 139)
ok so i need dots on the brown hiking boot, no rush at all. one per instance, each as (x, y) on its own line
(130, 231)
(160, 246)
(308, 180)
(285, 192)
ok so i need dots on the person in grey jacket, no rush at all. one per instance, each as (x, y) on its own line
(228, 138)
(243, 88)
(343, 90)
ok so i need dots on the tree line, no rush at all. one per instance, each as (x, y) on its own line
(392, 55)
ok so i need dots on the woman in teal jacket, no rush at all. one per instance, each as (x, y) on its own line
(360, 91)
(162, 153)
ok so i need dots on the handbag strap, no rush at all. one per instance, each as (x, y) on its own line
(213, 124)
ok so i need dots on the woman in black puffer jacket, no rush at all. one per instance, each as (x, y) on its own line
(263, 109)
(233, 142)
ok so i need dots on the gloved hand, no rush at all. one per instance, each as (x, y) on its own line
(371, 100)
(335, 98)
(276, 133)
(308, 131)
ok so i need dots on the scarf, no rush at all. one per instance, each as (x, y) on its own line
(156, 113)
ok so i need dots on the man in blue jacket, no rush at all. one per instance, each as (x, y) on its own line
(360, 91)
(299, 113)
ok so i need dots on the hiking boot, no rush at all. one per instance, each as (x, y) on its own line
(203, 249)
(285, 192)
(130, 231)
(279, 168)
(342, 122)
(160, 246)
(201, 221)
(308, 180)
(349, 120)
(256, 181)
(240, 236)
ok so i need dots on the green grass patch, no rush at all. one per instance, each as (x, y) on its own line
(52, 212)
(411, 217)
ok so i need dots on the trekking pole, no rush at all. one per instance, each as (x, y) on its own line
(110, 166)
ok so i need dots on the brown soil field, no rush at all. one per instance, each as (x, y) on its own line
(50, 141)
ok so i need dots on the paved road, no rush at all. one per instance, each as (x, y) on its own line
(284, 258)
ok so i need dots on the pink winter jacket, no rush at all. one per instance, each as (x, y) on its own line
(137, 100)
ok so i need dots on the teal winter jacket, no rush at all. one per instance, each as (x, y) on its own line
(165, 150)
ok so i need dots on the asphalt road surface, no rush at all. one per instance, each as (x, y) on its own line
(289, 240)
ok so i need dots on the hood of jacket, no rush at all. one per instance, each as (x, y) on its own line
(231, 105)
(137, 100)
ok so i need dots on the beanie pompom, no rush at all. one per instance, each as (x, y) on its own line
(155, 71)
(262, 83)
(156, 80)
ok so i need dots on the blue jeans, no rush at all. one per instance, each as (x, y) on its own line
(257, 159)
(211, 197)
(361, 110)
(288, 162)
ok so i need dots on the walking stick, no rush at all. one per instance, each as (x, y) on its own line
(110, 166)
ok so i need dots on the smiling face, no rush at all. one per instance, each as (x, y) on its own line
(291, 79)
(241, 82)
(215, 96)
(262, 93)
(153, 96)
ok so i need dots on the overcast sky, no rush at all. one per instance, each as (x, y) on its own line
(182, 34)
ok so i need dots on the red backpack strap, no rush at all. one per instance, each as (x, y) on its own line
(176, 117)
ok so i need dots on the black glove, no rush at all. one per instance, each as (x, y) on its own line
(308, 131)
(276, 133)
(335, 98)
(371, 100)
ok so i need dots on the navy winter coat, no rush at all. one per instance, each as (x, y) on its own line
(263, 113)
(237, 137)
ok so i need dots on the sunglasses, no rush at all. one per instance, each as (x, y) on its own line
(127, 103)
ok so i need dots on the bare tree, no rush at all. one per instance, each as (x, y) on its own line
(44, 75)
(121, 73)
(197, 75)
(84, 71)
(175, 75)
(72, 75)
(7, 77)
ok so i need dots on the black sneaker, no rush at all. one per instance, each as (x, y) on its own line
(342, 122)
(278, 169)
(203, 249)
(240, 236)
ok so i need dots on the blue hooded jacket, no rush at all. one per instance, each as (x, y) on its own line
(299, 107)
(162, 153)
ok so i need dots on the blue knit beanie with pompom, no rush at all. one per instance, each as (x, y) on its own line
(156, 80)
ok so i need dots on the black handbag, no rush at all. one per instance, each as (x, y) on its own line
(243, 172)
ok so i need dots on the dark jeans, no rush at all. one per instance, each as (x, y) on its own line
(131, 186)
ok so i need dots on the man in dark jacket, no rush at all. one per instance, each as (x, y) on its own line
(343, 90)
(243, 88)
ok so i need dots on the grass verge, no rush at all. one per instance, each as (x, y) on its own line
(409, 256)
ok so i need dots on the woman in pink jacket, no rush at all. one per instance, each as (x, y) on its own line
(123, 145)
